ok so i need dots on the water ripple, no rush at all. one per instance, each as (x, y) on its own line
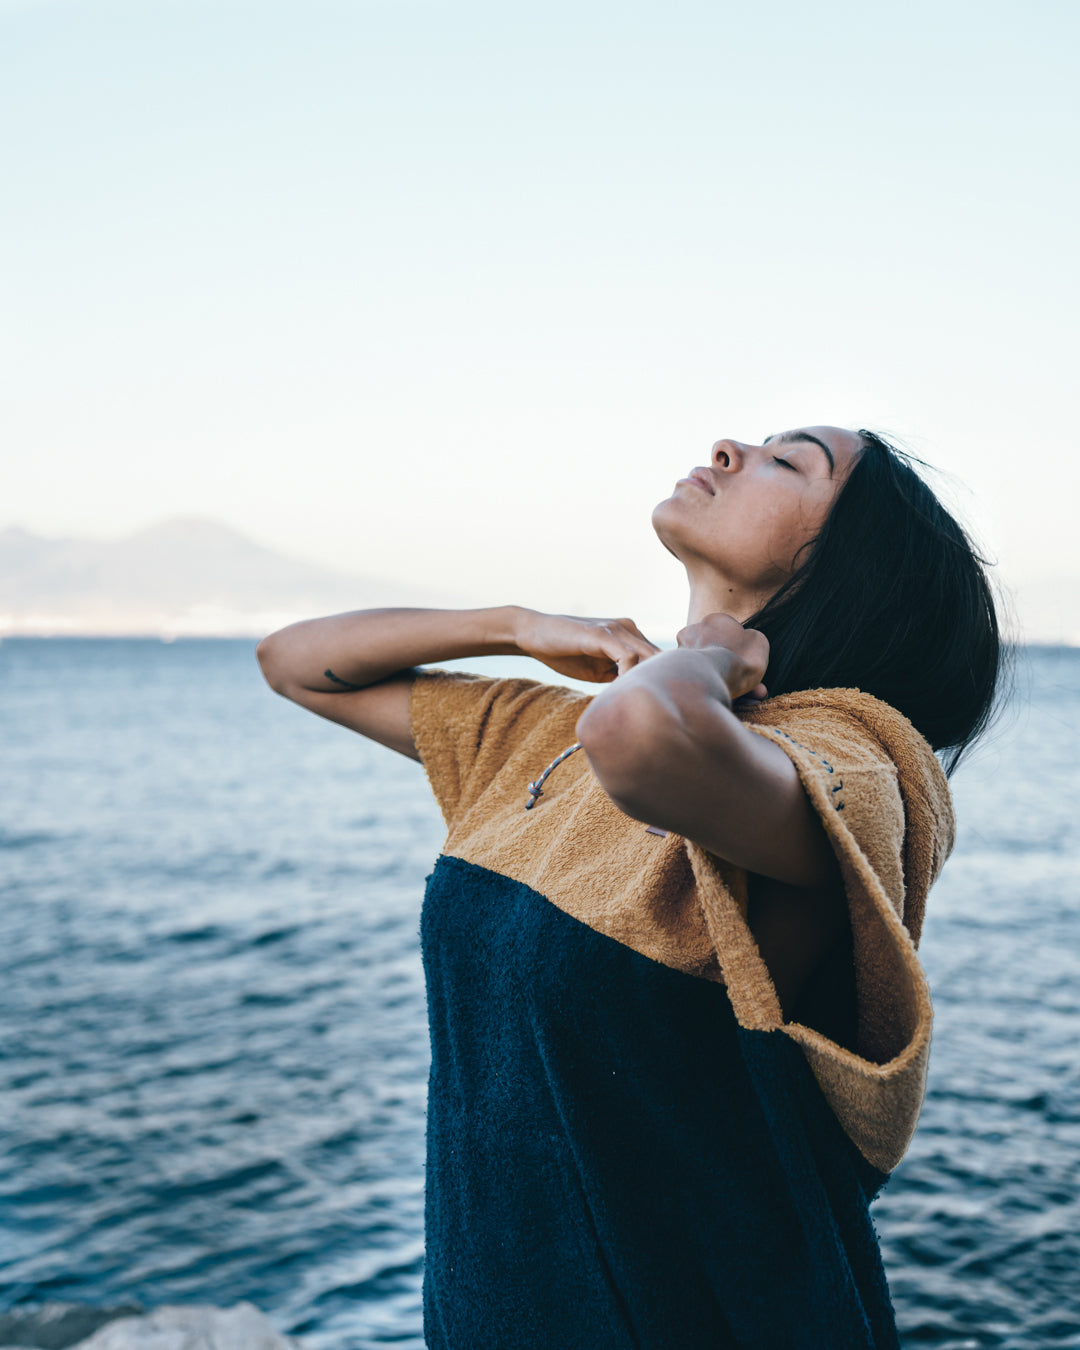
(213, 1052)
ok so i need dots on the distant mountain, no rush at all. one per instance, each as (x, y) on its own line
(193, 576)
(185, 576)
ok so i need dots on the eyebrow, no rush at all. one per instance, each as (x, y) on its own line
(789, 437)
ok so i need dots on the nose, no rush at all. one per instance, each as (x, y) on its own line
(728, 455)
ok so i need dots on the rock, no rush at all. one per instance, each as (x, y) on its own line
(54, 1326)
(176, 1328)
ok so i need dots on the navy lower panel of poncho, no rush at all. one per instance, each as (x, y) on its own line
(613, 1162)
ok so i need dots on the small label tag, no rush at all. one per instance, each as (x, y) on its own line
(655, 829)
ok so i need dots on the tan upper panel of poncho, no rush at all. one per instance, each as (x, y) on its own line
(872, 779)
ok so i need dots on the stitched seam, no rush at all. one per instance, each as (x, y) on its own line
(838, 802)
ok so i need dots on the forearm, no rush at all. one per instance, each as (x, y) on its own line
(666, 746)
(352, 651)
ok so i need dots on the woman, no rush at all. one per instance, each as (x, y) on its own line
(679, 1029)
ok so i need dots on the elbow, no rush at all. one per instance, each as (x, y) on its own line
(268, 656)
(625, 736)
(648, 748)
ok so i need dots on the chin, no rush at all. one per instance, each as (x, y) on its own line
(660, 518)
(669, 510)
(668, 538)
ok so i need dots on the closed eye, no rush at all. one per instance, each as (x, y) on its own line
(786, 463)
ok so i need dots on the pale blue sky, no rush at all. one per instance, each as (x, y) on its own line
(456, 292)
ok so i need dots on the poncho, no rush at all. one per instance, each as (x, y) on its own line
(628, 1143)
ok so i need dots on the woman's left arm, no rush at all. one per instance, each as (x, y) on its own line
(666, 746)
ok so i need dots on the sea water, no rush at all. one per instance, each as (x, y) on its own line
(213, 1048)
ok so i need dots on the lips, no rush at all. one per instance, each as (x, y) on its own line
(700, 478)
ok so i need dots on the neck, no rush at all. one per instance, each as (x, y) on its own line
(712, 594)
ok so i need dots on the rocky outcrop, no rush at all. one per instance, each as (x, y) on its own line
(243, 1327)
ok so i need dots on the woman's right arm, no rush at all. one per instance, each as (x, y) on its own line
(356, 669)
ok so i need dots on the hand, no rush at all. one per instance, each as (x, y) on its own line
(747, 648)
(585, 649)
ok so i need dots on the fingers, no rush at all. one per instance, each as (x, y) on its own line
(625, 644)
(593, 649)
(636, 639)
(715, 629)
(636, 632)
(628, 662)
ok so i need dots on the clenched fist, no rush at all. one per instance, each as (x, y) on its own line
(748, 647)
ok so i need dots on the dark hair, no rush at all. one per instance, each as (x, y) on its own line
(893, 599)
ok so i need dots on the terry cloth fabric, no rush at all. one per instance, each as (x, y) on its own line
(629, 1145)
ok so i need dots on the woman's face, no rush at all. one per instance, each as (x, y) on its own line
(739, 522)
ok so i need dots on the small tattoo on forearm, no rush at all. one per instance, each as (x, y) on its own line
(344, 683)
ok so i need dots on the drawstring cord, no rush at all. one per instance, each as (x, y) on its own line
(536, 789)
